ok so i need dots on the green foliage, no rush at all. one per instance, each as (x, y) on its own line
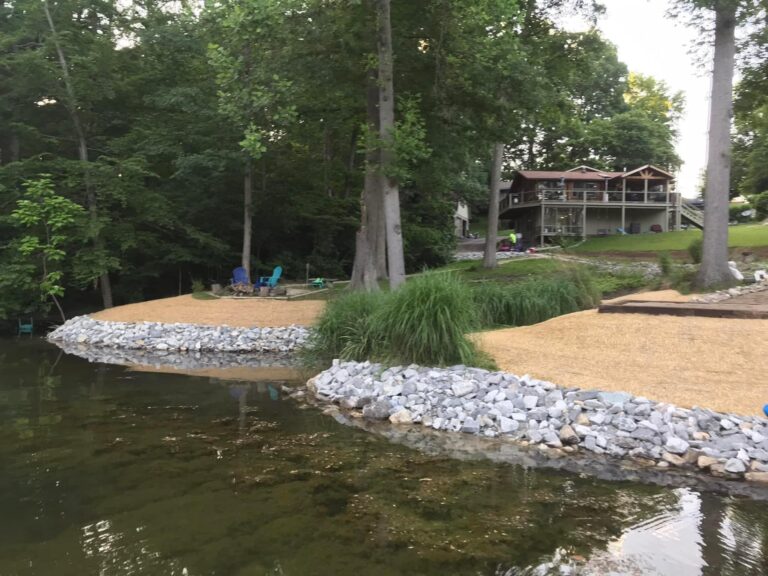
(695, 249)
(197, 286)
(665, 263)
(535, 300)
(427, 321)
(760, 202)
(47, 220)
(345, 329)
(619, 283)
(736, 213)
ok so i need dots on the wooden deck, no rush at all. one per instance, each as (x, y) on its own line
(753, 306)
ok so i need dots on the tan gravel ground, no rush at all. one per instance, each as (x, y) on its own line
(241, 312)
(710, 362)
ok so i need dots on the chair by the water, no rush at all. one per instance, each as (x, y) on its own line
(26, 328)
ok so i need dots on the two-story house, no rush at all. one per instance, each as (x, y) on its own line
(585, 202)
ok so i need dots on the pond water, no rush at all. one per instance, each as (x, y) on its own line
(111, 471)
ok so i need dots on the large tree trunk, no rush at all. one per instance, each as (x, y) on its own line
(245, 260)
(82, 152)
(489, 257)
(391, 192)
(370, 247)
(714, 269)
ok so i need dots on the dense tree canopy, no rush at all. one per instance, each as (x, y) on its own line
(178, 108)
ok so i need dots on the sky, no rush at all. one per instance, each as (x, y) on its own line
(651, 43)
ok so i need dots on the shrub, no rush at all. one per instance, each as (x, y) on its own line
(665, 263)
(736, 213)
(197, 286)
(695, 249)
(760, 204)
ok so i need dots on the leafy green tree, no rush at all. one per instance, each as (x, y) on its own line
(727, 14)
(47, 218)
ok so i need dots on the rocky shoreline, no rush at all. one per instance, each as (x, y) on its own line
(179, 360)
(555, 420)
(182, 338)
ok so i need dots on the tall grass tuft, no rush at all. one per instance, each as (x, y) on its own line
(427, 321)
(344, 329)
(535, 300)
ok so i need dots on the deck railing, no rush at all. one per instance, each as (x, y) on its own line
(512, 199)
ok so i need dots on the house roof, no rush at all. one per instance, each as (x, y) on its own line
(568, 175)
(649, 167)
(586, 173)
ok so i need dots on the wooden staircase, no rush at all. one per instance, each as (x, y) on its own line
(692, 214)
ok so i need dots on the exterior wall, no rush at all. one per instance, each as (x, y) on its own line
(603, 220)
(461, 220)
(646, 218)
(606, 220)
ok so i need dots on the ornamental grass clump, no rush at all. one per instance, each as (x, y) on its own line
(427, 322)
(344, 329)
(535, 300)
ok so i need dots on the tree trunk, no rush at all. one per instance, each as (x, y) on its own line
(714, 269)
(391, 192)
(245, 260)
(368, 251)
(82, 152)
(489, 257)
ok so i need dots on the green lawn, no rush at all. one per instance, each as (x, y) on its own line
(507, 270)
(748, 235)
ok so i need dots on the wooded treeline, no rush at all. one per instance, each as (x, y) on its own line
(166, 121)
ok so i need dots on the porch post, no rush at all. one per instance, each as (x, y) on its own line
(623, 204)
(541, 232)
(584, 223)
(645, 193)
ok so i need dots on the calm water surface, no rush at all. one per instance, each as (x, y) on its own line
(109, 471)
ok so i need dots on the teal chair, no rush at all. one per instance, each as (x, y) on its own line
(26, 328)
(271, 281)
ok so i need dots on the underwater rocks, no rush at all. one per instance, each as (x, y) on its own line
(185, 338)
(502, 405)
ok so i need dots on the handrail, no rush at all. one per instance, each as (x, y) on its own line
(693, 214)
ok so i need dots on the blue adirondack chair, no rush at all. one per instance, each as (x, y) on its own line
(271, 281)
(239, 276)
(26, 328)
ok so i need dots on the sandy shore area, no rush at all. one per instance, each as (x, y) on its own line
(236, 312)
(714, 363)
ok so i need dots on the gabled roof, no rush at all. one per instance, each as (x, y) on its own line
(649, 167)
(586, 173)
(583, 168)
(567, 175)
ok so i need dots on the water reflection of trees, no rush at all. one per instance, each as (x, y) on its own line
(283, 494)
